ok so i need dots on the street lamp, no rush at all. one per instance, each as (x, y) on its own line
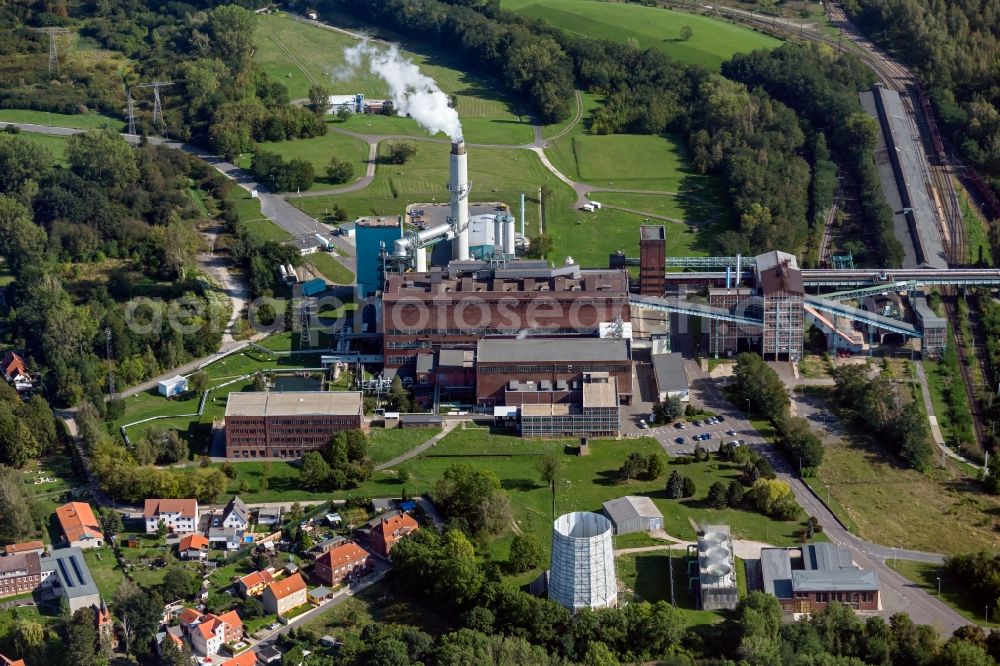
(748, 409)
(939, 585)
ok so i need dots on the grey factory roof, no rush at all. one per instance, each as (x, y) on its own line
(669, 372)
(237, 506)
(835, 580)
(455, 358)
(71, 570)
(425, 363)
(28, 563)
(778, 271)
(776, 570)
(924, 313)
(421, 418)
(600, 394)
(652, 232)
(824, 568)
(631, 506)
(550, 349)
(293, 403)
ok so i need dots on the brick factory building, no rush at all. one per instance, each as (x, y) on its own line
(455, 307)
(288, 425)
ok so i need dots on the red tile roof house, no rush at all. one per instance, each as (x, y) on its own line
(193, 547)
(284, 595)
(253, 584)
(336, 564)
(390, 530)
(179, 515)
(24, 547)
(248, 658)
(208, 632)
(15, 372)
(79, 525)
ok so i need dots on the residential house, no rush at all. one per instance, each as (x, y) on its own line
(807, 579)
(65, 573)
(268, 655)
(337, 564)
(172, 634)
(236, 515)
(24, 547)
(389, 530)
(79, 525)
(7, 661)
(383, 504)
(19, 573)
(209, 632)
(284, 595)
(179, 515)
(248, 658)
(253, 584)
(324, 546)
(193, 547)
(15, 372)
(225, 538)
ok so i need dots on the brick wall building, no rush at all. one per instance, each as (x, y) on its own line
(807, 579)
(19, 573)
(288, 424)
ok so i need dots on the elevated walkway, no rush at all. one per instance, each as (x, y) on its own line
(863, 316)
(852, 341)
(678, 306)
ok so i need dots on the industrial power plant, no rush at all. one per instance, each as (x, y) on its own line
(551, 351)
(582, 573)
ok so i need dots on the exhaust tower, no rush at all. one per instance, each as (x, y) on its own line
(459, 187)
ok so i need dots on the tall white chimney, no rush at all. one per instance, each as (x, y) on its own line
(508, 236)
(459, 186)
(498, 234)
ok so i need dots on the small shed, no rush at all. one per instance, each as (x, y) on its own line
(420, 421)
(633, 514)
(176, 385)
(319, 594)
(334, 519)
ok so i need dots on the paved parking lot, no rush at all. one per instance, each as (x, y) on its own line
(727, 431)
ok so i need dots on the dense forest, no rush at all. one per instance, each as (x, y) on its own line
(219, 98)
(82, 239)
(955, 49)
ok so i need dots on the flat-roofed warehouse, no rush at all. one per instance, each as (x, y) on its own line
(633, 514)
(548, 370)
(288, 424)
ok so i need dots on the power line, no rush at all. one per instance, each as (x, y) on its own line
(131, 113)
(111, 366)
(53, 32)
(157, 106)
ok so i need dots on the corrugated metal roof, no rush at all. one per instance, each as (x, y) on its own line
(626, 508)
(669, 372)
(776, 570)
(835, 580)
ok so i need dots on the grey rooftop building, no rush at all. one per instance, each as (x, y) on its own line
(671, 378)
(633, 514)
(70, 578)
(809, 578)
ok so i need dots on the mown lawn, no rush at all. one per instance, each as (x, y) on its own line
(55, 144)
(394, 442)
(301, 55)
(77, 120)
(646, 577)
(248, 210)
(712, 41)
(330, 268)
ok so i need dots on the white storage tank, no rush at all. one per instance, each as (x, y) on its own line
(583, 562)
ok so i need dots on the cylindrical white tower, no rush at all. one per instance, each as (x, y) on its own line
(421, 260)
(498, 234)
(459, 186)
(508, 236)
(583, 562)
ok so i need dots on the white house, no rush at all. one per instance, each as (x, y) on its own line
(179, 515)
(228, 538)
(236, 515)
(173, 386)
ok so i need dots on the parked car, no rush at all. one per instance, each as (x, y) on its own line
(680, 425)
(730, 432)
(643, 424)
(720, 418)
(679, 440)
(696, 424)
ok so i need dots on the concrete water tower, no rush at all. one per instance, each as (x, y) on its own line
(583, 562)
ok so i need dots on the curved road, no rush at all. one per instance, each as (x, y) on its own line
(898, 594)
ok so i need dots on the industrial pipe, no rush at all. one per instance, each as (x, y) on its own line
(459, 186)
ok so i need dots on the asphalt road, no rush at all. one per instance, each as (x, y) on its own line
(898, 594)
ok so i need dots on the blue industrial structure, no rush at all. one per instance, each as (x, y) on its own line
(370, 236)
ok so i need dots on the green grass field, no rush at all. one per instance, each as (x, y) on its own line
(646, 577)
(330, 268)
(388, 444)
(301, 55)
(318, 151)
(55, 144)
(80, 120)
(712, 42)
(248, 210)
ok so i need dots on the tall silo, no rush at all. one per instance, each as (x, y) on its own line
(583, 562)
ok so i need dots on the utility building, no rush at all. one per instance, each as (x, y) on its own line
(633, 514)
(652, 259)
(780, 283)
(807, 579)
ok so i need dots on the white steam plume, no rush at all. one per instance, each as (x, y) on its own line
(413, 94)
